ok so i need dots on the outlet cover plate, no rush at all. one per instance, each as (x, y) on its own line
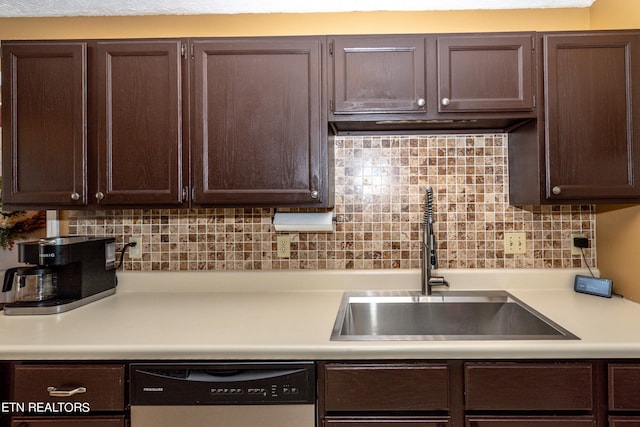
(135, 252)
(284, 246)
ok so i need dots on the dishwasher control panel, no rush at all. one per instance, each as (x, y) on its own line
(222, 383)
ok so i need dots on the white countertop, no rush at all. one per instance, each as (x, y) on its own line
(290, 315)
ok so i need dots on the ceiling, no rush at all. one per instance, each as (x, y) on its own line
(39, 8)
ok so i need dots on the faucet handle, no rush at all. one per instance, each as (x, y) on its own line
(438, 281)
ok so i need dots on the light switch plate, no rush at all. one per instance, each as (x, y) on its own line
(515, 243)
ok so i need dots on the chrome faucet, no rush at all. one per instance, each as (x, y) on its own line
(429, 260)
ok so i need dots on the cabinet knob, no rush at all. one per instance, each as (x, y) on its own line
(445, 101)
(315, 194)
(99, 195)
(421, 102)
(75, 196)
(556, 190)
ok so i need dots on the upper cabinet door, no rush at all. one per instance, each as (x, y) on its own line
(44, 139)
(592, 128)
(377, 75)
(139, 110)
(259, 131)
(485, 73)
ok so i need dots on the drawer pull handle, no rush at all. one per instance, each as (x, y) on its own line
(54, 392)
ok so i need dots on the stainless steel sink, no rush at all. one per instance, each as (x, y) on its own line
(447, 315)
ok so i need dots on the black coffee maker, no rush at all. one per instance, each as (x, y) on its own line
(83, 268)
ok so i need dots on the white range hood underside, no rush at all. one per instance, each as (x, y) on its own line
(40, 8)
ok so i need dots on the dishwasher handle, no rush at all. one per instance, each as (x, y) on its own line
(219, 375)
(237, 375)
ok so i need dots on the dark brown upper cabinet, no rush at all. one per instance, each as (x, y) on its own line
(585, 147)
(377, 75)
(44, 139)
(109, 123)
(92, 123)
(139, 109)
(485, 73)
(592, 127)
(259, 127)
(431, 82)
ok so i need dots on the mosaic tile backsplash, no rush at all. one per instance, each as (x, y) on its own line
(380, 184)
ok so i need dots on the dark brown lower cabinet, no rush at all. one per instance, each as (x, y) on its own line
(529, 421)
(64, 394)
(391, 387)
(523, 386)
(110, 421)
(624, 387)
(456, 393)
(624, 394)
(388, 394)
(623, 421)
(387, 422)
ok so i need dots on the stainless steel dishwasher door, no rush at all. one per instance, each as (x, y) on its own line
(224, 416)
(223, 394)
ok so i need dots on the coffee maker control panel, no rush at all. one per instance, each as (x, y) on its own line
(58, 251)
(110, 255)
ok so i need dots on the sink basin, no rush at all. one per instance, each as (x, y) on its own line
(447, 315)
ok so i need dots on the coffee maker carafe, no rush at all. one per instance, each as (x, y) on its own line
(30, 283)
(67, 272)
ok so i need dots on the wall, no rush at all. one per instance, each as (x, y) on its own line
(379, 186)
(618, 236)
(615, 14)
(293, 24)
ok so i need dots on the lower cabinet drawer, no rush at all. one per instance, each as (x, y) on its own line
(387, 422)
(115, 421)
(534, 421)
(529, 386)
(94, 387)
(386, 387)
(624, 421)
(624, 387)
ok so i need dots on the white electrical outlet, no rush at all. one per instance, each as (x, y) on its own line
(135, 252)
(284, 246)
(575, 250)
(515, 243)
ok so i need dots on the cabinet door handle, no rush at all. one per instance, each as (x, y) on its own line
(421, 102)
(75, 196)
(54, 392)
(445, 101)
(315, 194)
(99, 195)
(556, 190)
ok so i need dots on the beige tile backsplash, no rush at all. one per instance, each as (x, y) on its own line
(379, 186)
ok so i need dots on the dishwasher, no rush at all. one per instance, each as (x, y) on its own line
(223, 394)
